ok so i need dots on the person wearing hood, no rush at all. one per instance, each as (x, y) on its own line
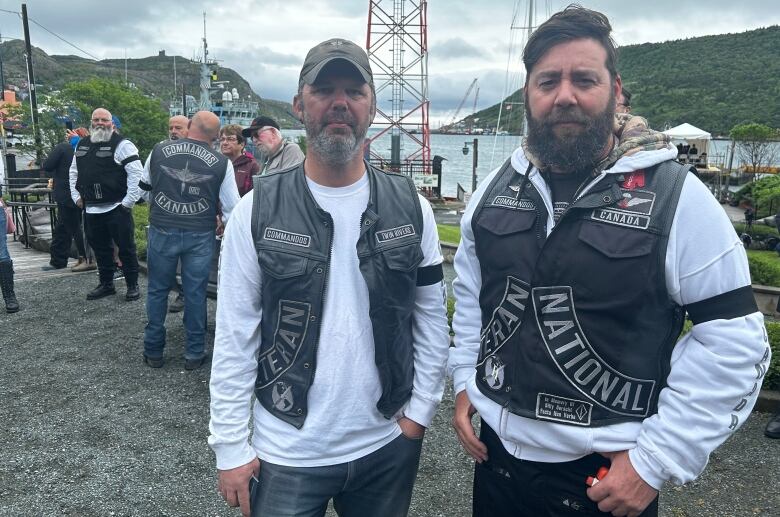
(578, 260)
(231, 144)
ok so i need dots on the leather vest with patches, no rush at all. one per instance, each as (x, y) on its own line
(186, 176)
(100, 178)
(578, 326)
(293, 238)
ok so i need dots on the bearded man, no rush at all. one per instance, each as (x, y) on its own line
(104, 177)
(578, 260)
(273, 152)
(333, 316)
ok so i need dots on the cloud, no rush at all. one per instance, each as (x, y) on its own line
(455, 48)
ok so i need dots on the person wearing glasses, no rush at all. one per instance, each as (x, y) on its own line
(185, 179)
(231, 144)
(277, 153)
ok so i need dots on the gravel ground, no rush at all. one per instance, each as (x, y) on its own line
(88, 430)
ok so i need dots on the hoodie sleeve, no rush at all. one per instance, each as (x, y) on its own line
(717, 368)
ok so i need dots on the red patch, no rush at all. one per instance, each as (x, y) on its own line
(634, 180)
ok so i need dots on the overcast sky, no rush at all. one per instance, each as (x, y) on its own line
(266, 40)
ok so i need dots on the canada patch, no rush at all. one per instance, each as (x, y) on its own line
(633, 210)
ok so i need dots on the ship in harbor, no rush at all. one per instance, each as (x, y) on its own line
(216, 96)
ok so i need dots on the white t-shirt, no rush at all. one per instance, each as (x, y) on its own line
(343, 422)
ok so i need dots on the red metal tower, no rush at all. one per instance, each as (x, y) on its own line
(397, 46)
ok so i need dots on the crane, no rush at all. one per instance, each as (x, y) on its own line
(448, 127)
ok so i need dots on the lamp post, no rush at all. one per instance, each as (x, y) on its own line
(475, 160)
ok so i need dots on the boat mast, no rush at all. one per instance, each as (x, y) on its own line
(205, 73)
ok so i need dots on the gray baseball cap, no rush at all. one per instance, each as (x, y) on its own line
(332, 50)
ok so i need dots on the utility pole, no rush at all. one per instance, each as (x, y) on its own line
(31, 81)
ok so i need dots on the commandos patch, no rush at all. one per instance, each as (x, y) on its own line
(296, 239)
(512, 203)
(579, 363)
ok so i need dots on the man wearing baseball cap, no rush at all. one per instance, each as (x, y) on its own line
(275, 153)
(335, 319)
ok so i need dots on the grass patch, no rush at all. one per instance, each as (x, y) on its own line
(448, 233)
(764, 267)
(141, 219)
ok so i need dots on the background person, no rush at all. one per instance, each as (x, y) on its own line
(276, 153)
(567, 341)
(185, 180)
(6, 264)
(331, 272)
(231, 144)
(104, 178)
(178, 127)
(68, 227)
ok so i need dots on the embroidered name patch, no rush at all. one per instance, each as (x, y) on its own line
(177, 208)
(296, 239)
(579, 363)
(512, 203)
(633, 210)
(392, 234)
(562, 409)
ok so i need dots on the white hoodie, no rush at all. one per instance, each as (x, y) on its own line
(713, 383)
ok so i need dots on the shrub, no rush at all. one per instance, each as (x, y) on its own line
(141, 219)
(764, 267)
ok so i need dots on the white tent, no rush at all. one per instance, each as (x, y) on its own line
(694, 139)
(687, 132)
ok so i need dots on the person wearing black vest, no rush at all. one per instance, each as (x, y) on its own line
(68, 228)
(331, 311)
(185, 180)
(578, 261)
(104, 177)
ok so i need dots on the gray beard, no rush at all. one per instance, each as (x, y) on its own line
(577, 152)
(334, 150)
(99, 135)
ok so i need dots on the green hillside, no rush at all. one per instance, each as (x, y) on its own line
(712, 82)
(151, 75)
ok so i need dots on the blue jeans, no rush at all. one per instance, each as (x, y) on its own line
(4, 256)
(165, 247)
(379, 484)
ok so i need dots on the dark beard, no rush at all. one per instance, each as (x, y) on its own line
(335, 150)
(575, 152)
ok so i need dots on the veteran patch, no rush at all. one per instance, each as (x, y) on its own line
(296, 239)
(392, 234)
(291, 327)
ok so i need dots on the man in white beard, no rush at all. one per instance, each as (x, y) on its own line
(104, 177)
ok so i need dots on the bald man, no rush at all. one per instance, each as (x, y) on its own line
(185, 179)
(104, 178)
(178, 127)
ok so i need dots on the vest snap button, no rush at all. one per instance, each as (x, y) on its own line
(306, 365)
(299, 411)
(319, 270)
(508, 389)
(607, 199)
(313, 318)
(367, 223)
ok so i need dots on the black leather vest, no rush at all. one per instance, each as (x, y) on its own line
(186, 176)
(577, 326)
(293, 238)
(100, 179)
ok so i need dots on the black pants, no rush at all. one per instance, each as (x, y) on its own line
(111, 227)
(68, 228)
(505, 486)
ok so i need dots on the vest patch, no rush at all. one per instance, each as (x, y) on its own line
(296, 239)
(579, 363)
(512, 203)
(174, 207)
(392, 234)
(282, 397)
(505, 320)
(291, 327)
(198, 151)
(633, 210)
(562, 409)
